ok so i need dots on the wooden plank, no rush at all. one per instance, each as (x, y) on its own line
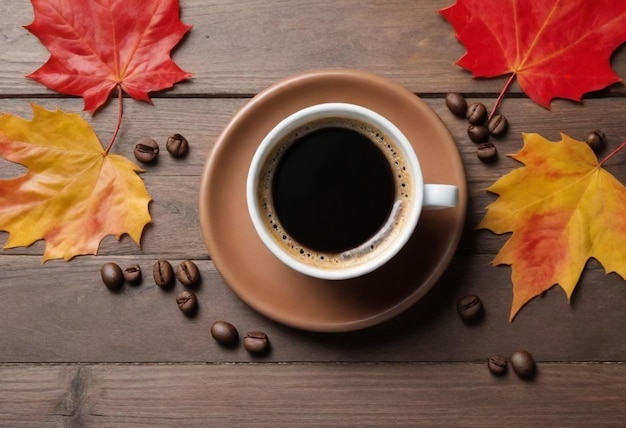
(36, 395)
(78, 320)
(573, 395)
(202, 119)
(174, 184)
(241, 50)
(62, 312)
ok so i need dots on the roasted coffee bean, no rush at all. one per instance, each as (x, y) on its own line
(177, 146)
(476, 113)
(163, 273)
(497, 364)
(497, 125)
(224, 332)
(188, 273)
(456, 104)
(112, 275)
(478, 133)
(523, 364)
(256, 342)
(487, 152)
(187, 302)
(146, 150)
(132, 274)
(596, 140)
(470, 308)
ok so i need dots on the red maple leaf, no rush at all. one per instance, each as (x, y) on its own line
(555, 48)
(97, 45)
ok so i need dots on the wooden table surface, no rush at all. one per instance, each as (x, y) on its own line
(72, 353)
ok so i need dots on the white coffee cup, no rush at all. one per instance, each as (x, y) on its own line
(410, 194)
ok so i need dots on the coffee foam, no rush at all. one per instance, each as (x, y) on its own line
(385, 236)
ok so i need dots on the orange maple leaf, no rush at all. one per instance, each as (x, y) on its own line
(563, 208)
(73, 194)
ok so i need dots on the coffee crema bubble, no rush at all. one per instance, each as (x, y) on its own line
(389, 220)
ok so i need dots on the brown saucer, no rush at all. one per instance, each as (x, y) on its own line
(285, 295)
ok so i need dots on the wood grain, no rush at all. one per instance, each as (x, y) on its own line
(226, 395)
(78, 320)
(174, 184)
(75, 354)
(241, 50)
(61, 313)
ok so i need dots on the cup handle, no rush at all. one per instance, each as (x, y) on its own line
(440, 196)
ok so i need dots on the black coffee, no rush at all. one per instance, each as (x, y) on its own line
(333, 189)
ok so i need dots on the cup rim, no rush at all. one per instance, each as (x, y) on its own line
(321, 111)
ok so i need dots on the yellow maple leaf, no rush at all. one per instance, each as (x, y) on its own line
(563, 208)
(73, 193)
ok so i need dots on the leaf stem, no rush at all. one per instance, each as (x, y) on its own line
(499, 100)
(613, 153)
(120, 113)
